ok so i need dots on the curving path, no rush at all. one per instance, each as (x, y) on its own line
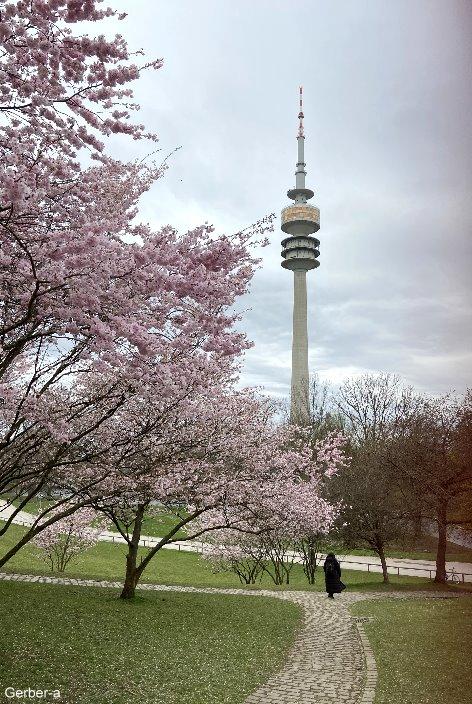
(331, 661)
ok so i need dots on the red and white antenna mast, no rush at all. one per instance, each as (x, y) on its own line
(301, 115)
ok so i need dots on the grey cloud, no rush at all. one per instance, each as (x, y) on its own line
(389, 145)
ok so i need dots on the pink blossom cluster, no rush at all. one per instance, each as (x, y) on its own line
(286, 512)
(224, 459)
(66, 538)
(287, 498)
(57, 85)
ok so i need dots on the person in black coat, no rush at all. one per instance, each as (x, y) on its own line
(332, 571)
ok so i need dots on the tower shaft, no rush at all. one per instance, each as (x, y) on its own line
(299, 403)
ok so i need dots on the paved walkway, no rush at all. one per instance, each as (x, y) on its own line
(409, 568)
(22, 517)
(331, 661)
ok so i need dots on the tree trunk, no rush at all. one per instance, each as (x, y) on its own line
(442, 539)
(277, 576)
(383, 561)
(133, 572)
(131, 578)
(310, 554)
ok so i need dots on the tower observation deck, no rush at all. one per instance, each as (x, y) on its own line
(300, 252)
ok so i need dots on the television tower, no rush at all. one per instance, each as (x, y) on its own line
(300, 254)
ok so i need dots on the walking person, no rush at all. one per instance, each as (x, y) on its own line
(332, 571)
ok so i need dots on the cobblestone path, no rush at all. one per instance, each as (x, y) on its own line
(331, 661)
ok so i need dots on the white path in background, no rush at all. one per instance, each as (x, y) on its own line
(331, 661)
(411, 568)
(22, 517)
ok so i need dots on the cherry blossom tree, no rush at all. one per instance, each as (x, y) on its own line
(287, 515)
(220, 462)
(285, 512)
(190, 463)
(118, 345)
(98, 313)
(68, 537)
(240, 553)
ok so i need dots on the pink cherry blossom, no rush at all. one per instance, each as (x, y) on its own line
(62, 541)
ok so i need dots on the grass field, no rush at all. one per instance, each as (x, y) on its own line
(154, 526)
(157, 526)
(166, 647)
(107, 561)
(454, 553)
(208, 649)
(423, 649)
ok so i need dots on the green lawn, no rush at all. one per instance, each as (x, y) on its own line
(160, 525)
(423, 649)
(165, 647)
(153, 525)
(107, 561)
(454, 553)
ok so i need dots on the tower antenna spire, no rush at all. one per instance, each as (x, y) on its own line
(301, 132)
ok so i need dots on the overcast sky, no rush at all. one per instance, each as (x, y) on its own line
(388, 108)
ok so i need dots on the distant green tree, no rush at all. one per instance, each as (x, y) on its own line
(434, 461)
